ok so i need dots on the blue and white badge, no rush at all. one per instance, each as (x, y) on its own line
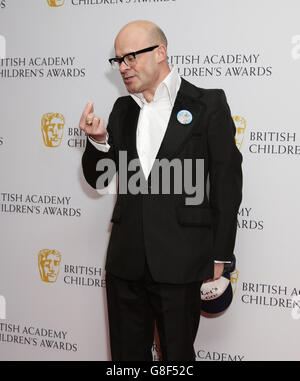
(184, 117)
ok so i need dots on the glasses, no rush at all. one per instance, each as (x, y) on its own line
(130, 58)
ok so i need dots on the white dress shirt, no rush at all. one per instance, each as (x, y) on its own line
(153, 121)
(154, 118)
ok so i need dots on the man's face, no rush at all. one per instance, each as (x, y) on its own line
(143, 75)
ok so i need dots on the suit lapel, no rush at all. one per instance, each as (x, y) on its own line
(188, 98)
(128, 140)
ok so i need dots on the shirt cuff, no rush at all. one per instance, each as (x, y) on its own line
(100, 146)
(222, 261)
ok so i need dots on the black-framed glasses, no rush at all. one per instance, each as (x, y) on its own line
(130, 58)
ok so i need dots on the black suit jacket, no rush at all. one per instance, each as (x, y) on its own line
(179, 241)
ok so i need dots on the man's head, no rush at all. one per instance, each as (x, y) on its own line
(149, 68)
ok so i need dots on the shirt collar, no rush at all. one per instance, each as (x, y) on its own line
(167, 88)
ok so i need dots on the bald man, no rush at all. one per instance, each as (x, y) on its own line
(162, 248)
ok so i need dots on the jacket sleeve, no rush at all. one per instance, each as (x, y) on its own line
(225, 177)
(92, 155)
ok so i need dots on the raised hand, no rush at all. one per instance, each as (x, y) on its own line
(92, 124)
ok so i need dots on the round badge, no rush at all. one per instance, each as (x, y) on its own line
(184, 117)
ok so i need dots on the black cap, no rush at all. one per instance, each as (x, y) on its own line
(216, 296)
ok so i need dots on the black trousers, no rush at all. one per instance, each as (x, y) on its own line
(135, 306)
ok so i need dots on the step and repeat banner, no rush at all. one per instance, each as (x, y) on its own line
(55, 228)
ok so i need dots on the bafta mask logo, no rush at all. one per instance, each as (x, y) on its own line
(55, 3)
(234, 276)
(49, 261)
(52, 129)
(240, 124)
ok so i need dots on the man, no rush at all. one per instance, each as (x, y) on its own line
(161, 249)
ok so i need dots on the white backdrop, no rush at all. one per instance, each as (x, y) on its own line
(56, 61)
